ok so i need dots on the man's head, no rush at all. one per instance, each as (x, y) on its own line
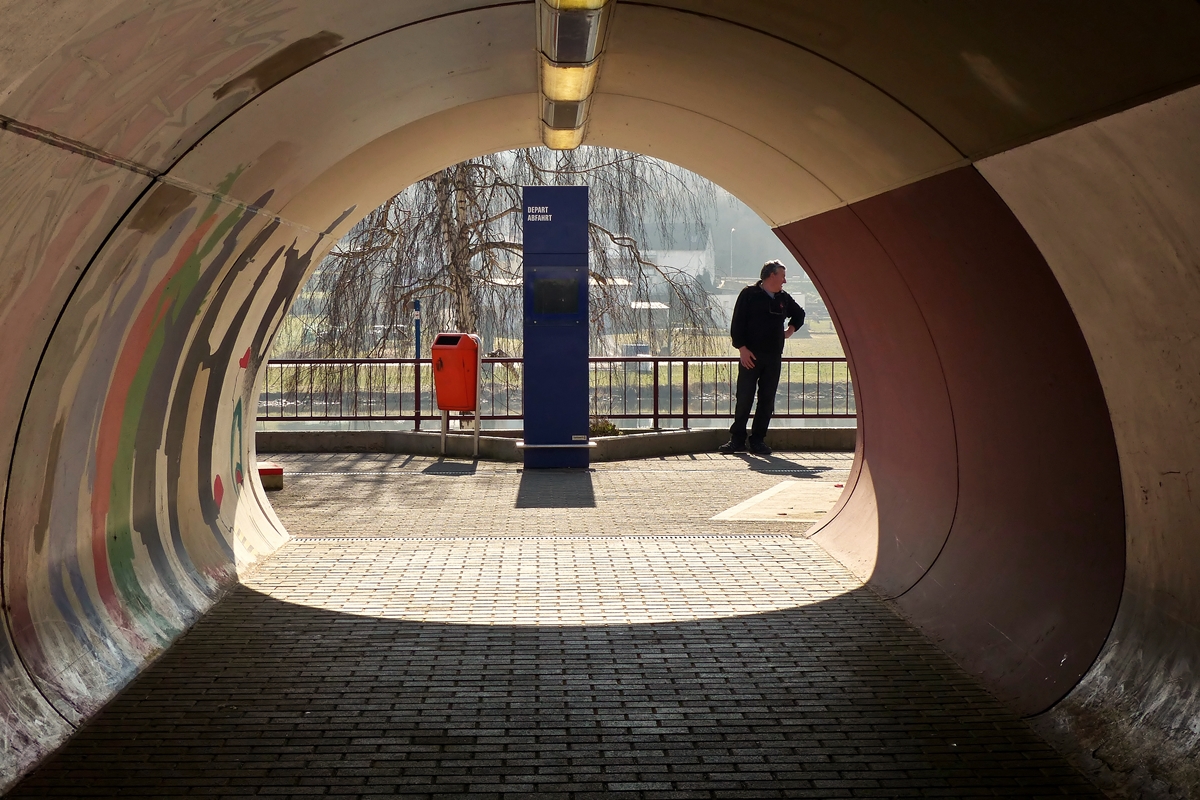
(774, 276)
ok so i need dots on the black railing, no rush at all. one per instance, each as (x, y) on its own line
(638, 388)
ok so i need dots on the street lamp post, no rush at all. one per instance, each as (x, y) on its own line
(417, 325)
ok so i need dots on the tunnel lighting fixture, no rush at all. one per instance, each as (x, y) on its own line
(570, 41)
(562, 138)
(569, 82)
(564, 115)
(571, 35)
(576, 5)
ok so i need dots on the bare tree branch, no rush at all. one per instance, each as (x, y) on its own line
(453, 239)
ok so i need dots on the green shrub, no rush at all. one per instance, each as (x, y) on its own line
(603, 427)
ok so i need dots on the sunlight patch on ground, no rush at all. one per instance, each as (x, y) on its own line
(805, 501)
(554, 581)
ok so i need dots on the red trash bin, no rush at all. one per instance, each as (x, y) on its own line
(456, 363)
(456, 371)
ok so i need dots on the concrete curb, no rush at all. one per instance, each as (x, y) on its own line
(504, 448)
(416, 443)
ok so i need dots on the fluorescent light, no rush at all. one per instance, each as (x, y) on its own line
(564, 115)
(568, 83)
(571, 36)
(562, 138)
(576, 5)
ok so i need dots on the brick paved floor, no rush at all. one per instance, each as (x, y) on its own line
(372, 495)
(442, 629)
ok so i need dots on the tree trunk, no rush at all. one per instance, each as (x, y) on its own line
(452, 196)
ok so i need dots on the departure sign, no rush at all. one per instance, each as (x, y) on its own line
(556, 221)
(556, 327)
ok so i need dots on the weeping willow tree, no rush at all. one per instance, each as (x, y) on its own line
(453, 241)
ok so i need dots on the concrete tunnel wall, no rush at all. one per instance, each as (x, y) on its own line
(172, 175)
(987, 496)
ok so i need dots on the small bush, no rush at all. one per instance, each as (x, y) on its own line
(603, 427)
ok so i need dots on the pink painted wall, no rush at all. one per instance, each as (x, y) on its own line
(1114, 206)
(988, 501)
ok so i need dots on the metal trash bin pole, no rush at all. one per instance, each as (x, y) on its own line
(451, 384)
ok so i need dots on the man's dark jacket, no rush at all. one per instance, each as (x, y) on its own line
(758, 320)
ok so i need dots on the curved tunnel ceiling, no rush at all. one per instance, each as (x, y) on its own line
(861, 99)
(828, 136)
(174, 173)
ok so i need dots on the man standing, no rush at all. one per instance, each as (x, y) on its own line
(758, 333)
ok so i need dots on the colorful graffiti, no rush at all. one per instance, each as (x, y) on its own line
(52, 213)
(141, 305)
(114, 288)
(136, 503)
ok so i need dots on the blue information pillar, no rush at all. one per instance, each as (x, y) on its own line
(556, 327)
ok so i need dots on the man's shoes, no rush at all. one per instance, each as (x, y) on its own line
(758, 448)
(731, 447)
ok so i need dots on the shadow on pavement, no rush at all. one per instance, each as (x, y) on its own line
(838, 698)
(777, 464)
(552, 488)
(443, 467)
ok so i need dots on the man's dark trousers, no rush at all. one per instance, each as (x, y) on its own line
(765, 378)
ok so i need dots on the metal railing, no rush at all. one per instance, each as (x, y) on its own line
(657, 389)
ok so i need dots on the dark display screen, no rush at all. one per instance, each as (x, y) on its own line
(556, 295)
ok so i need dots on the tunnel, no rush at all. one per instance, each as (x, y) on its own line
(998, 203)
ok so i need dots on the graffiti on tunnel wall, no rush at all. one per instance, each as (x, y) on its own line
(131, 91)
(138, 510)
(79, 198)
(115, 534)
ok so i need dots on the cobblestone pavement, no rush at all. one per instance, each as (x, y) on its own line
(444, 629)
(371, 494)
